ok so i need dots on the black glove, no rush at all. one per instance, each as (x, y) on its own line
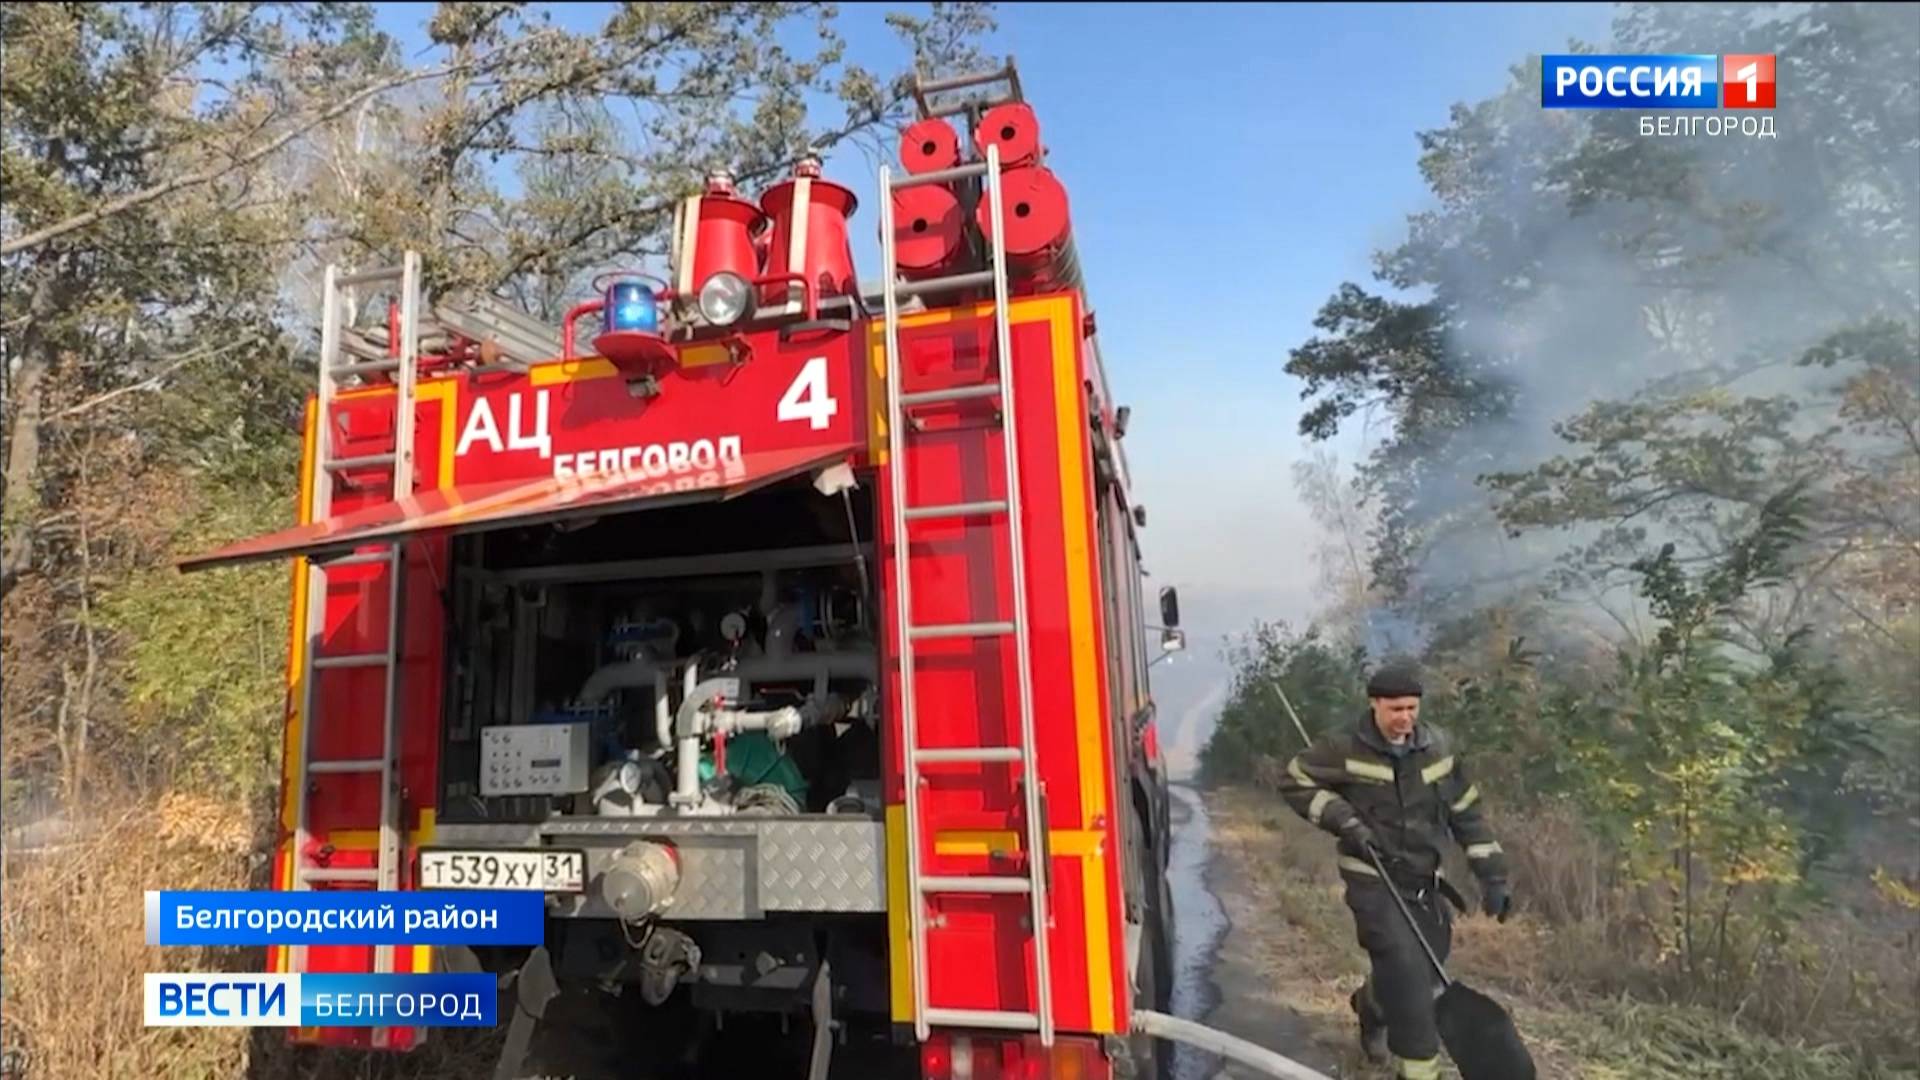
(1357, 831)
(1496, 901)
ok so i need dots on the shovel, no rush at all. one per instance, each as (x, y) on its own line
(1479, 1035)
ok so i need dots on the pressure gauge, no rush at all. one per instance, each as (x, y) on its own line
(630, 777)
(733, 626)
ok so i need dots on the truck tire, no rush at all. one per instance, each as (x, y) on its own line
(1153, 978)
(1153, 1059)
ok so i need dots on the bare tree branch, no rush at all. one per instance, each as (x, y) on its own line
(214, 172)
(151, 381)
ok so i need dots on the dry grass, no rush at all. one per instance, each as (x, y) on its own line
(72, 924)
(1577, 988)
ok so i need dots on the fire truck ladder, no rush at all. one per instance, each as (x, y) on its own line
(920, 886)
(345, 354)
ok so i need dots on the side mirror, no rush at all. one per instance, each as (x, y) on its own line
(1169, 606)
(1173, 641)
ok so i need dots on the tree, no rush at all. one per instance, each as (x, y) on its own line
(176, 174)
(1321, 680)
(134, 258)
(1637, 291)
(547, 154)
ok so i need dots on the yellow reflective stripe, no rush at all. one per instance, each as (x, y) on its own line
(1348, 862)
(1367, 770)
(1483, 851)
(1472, 796)
(1419, 1068)
(1294, 770)
(899, 943)
(1320, 800)
(1437, 770)
(1100, 898)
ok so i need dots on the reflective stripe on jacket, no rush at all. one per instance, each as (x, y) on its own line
(1412, 802)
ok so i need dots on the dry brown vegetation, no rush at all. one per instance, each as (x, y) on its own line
(1582, 993)
(76, 951)
(75, 944)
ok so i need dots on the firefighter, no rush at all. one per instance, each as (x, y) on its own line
(1396, 785)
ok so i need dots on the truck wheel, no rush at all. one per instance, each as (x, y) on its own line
(1153, 980)
(585, 1035)
(1153, 1059)
(1164, 958)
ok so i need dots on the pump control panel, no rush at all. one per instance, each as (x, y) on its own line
(534, 759)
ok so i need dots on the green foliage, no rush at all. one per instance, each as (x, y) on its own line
(204, 672)
(1712, 776)
(1323, 682)
(1707, 771)
(176, 174)
(1650, 491)
(549, 154)
(1653, 305)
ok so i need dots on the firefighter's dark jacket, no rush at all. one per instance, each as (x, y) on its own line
(1410, 802)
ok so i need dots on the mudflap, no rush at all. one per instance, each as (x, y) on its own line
(821, 1059)
(534, 988)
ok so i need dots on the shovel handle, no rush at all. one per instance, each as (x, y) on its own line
(1412, 923)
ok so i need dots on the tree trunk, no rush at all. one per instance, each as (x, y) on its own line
(89, 673)
(20, 498)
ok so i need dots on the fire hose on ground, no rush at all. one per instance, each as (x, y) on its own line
(1201, 1037)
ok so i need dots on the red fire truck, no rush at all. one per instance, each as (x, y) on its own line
(788, 635)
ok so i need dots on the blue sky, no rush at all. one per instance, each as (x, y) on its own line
(1228, 166)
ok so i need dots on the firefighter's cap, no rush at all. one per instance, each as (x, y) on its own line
(1396, 678)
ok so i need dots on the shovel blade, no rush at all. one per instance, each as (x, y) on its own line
(1480, 1036)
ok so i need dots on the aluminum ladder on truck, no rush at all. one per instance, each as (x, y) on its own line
(345, 354)
(920, 886)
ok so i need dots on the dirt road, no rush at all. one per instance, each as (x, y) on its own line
(1224, 974)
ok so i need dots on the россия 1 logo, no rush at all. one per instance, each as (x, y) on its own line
(1747, 79)
(1690, 81)
(1673, 81)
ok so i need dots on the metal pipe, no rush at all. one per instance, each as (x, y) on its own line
(742, 562)
(639, 671)
(566, 324)
(781, 724)
(852, 664)
(939, 176)
(662, 712)
(810, 304)
(366, 277)
(686, 788)
(929, 286)
(962, 82)
(1213, 1041)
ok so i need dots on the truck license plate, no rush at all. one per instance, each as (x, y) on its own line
(544, 870)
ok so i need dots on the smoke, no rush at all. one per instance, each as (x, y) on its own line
(1189, 732)
(1585, 262)
(1391, 633)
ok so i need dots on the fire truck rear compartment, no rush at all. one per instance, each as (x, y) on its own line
(777, 873)
(610, 623)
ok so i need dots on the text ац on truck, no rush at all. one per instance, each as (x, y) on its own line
(789, 635)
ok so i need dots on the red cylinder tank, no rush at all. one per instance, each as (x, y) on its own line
(929, 146)
(722, 238)
(1038, 225)
(1014, 129)
(809, 233)
(928, 229)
